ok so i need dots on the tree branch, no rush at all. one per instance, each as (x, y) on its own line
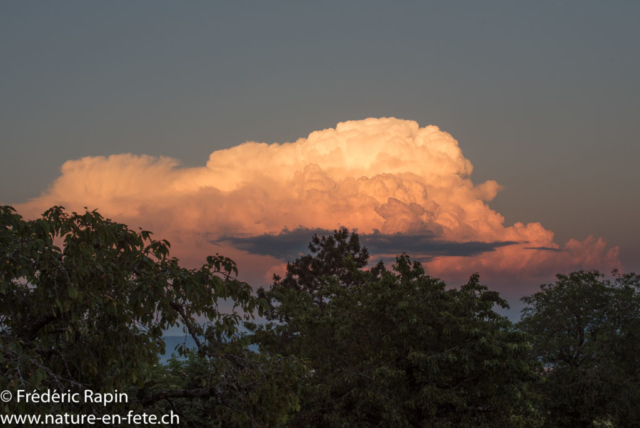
(180, 309)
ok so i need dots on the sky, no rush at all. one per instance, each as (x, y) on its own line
(499, 137)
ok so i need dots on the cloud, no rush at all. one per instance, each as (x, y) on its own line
(287, 245)
(427, 246)
(411, 184)
(544, 249)
(290, 244)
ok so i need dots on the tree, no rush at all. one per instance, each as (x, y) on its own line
(586, 333)
(396, 348)
(84, 303)
(255, 389)
(307, 273)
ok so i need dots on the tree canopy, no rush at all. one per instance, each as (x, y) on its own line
(84, 304)
(396, 348)
(587, 335)
(85, 301)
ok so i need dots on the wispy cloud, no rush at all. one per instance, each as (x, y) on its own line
(557, 250)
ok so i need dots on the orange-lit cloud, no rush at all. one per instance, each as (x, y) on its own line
(386, 176)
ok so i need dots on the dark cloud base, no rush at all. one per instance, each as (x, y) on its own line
(557, 250)
(289, 244)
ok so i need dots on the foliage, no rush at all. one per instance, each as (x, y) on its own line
(256, 390)
(308, 273)
(587, 334)
(396, 348)
(84, 302)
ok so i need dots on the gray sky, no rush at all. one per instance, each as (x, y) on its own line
(543, 96)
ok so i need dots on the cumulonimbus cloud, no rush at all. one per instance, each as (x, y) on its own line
(384, 176)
